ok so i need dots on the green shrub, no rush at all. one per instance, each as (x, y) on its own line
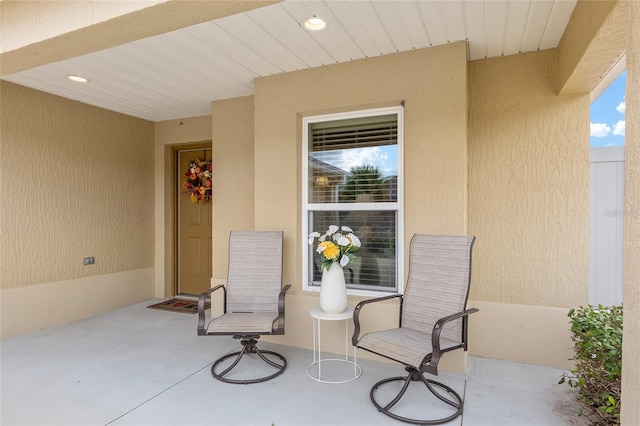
(597, 337)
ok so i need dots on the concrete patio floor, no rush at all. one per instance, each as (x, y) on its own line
(139, 366)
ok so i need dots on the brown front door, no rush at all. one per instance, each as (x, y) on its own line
(194, 232)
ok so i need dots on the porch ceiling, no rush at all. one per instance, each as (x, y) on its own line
(179, 73)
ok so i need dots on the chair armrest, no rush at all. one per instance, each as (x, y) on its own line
(280, 329)
(201, 301)
(436, 353)
(358, 308)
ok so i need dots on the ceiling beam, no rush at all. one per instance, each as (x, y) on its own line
(70, 40)
(593, 43)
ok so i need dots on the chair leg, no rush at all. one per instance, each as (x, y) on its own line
(416, 376)
(249, 346)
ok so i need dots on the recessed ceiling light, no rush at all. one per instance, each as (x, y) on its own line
(77, 78)
(314, 24)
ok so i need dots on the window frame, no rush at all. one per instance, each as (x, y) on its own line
(397, 206)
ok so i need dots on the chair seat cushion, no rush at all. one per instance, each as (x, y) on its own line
(243, 323)
(402, 344)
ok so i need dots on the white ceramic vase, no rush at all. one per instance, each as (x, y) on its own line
(333, 290)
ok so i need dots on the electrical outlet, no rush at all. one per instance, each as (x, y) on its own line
(89, 260)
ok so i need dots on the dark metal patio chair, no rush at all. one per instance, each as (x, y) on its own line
(433, 320)
(253, 303)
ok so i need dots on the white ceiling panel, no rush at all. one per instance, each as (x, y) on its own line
(409, 22)
(516, 20)
(257, 43)
(539, 12)
(346, 17)
(452, 20)
(300, 43)
(199, 68)
(473, 17)
(178, 74)
(364, 27)
(495, 19)
(557, 21)
(395, 25)
(430, 12)
(232, 55)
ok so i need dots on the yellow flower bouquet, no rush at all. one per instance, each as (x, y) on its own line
(338, 244)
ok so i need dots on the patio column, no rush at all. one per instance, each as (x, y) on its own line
(630, 414)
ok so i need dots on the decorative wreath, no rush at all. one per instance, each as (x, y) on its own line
(199, 179)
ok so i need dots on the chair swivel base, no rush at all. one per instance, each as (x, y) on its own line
(248, 347)
(417, 376)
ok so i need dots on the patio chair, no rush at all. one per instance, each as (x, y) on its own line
(253, 303)
(432, 321)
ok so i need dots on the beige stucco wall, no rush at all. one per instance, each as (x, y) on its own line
(528, 207)
(529, 184)
(512, 159)
(29, 22)
(76, 181)
(432, 83)
(583, 38)
(35, 307)
(234, 176)
(631, 341)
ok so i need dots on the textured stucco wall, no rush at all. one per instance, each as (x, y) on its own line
(60, 302)
(588, 42)
(528, 184)
(29, 22)
(76, 181)
(234, 175)
(432, 83)
(631, 339)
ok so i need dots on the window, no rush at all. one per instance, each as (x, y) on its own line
(352, 176)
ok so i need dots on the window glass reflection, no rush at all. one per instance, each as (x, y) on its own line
(375, 263)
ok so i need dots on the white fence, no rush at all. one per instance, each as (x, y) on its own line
(607, 225)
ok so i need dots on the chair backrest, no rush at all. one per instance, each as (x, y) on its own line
(254, 279)
(438, 283)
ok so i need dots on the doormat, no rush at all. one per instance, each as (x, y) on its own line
(179, 305)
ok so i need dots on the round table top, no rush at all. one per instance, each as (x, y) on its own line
(322, 315)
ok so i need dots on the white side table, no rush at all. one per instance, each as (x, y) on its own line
(318, 316)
